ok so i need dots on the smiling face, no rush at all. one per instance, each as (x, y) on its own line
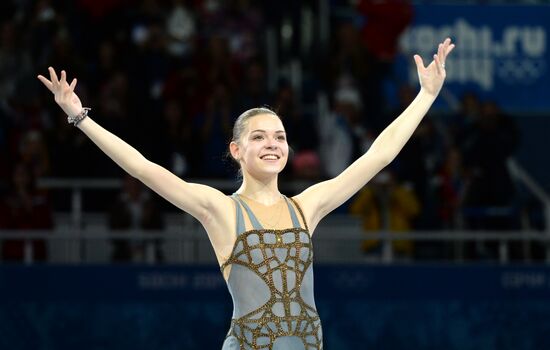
(262, 149)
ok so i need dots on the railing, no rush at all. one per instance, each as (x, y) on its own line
(333, 244)
(77, 186)
(192, 245)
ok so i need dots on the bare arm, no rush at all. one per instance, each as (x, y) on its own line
(198, 200)
(322, 198)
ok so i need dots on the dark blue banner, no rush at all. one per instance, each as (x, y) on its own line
(502, 52)
(172, 283)
(361, 307)
(47, 283)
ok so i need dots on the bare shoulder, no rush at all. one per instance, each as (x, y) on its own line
(220, 223)
(309, 205)
(220, 211)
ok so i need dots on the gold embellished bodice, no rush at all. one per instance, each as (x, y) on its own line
(271, 283)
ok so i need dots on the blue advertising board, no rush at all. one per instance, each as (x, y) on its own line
(361, 307)
(502, 52)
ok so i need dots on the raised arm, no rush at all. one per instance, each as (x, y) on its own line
(320, 199)
(198, 200)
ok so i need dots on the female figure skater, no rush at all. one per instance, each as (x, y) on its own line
(261, 238)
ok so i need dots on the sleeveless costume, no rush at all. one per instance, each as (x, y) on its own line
(271, 283)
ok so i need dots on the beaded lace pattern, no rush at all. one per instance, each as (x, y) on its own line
(281, 258)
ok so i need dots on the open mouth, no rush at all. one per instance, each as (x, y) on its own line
(270, 157)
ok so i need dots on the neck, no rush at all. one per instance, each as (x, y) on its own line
(265, 191)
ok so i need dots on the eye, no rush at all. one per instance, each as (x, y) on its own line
(257, 137)
(281, 138)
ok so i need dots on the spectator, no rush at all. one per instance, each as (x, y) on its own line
(215, 129)
(306, 166)
(9, 148)
(297, 122)
(467, 115)
(175, 139)
(135, 210)
(42, 29)
(450, 189)
(215, 65)
(487, 144)
(384, 22)
(108, 64)
(113, 109)
(387, 205)
(34, 154)
(15, 62)
(343, 137)
(346, 61)
(239, 21)
(254, 87)
(180, 27)
(25, 208)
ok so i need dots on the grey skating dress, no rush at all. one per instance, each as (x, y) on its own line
(271, 283)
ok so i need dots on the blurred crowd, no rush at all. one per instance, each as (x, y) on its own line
(170, 77)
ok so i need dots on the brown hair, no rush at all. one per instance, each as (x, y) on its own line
(242, 120)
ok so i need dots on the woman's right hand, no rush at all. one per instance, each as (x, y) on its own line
(63, 92)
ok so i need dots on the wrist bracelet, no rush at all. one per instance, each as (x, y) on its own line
(78, 118)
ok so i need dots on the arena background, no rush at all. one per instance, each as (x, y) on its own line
(446, 249)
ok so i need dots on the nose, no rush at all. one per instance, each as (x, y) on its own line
(271, 143)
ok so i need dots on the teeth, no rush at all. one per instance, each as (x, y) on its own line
(270, 157)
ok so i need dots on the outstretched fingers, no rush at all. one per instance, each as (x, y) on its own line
(68, 89)
(440, 57)
(53, 77)
(63, 79)
(73, 85)
(439, 65)
(46, 82)
(419, 62)
(56, 84)
(446, 48)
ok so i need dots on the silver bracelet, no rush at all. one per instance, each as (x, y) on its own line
(78, 118)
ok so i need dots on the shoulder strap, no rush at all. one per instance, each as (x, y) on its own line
(293, 213)
(255, 223)
(295, 221)
(240, 218)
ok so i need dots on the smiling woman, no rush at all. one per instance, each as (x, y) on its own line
(261, 238)
(261, 147)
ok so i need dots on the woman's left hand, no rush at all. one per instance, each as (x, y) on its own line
(432, 77)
